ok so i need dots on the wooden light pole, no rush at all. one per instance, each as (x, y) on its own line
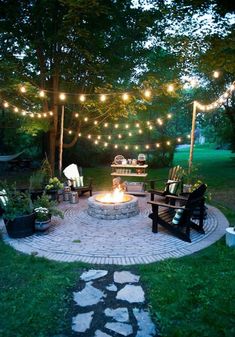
(61, 141)
(192, 136)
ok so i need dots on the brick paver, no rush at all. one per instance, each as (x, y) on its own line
(79, 237)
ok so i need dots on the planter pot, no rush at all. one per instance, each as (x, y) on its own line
(53, 194)
(230, 237)
(21, 226)
(35, 193)
(42, 225)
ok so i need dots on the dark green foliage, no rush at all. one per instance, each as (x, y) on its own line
(16, 203)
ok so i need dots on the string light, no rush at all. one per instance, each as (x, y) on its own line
(96, 142)
(106, 125)
(150, 127)
(70, 132)
(140, 131)
(82, 98)
(159, 121)
(86, 119)
(127, 126)
(147, 93)
(116, 126)
(95, 122)
(170, 88)
(62, 96)
(44, 114)
(105, 144)
(126, 147)
(109, 137)
(16, 109)
(169, 116)
(157, 145)
(147, 147)
(178, 140)
(98, 137)
(51, 113)
(41, 93)
(125, 97)
(119, 136)
(6, 104)
(137, 125)
(76, 115)
(168, 143)
(79, 135)
(39, 115)
(103, 98)
(116, 146)
(216, 74)
(32, 115)
(136, 147)
(89, 136)
(23, 113)
(129, 134)
(23, 89)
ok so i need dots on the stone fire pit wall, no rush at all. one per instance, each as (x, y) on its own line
(115, 211)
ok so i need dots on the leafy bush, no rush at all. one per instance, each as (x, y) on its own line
(54, 184)
(44, 207)
(16, 203)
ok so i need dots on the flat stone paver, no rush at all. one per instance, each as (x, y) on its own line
(81, 322)
(99, 333)
(79, 237)
(125, 277)
(93, 274)
(145, 324)
(88, 296)
(119, 314)
(121, 328)
(112, 315)
(131, 294)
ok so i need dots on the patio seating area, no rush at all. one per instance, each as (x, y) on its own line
(80, 237)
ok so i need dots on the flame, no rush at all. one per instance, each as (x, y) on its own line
(115, 196)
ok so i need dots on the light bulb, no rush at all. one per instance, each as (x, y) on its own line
(23, 89)
(103, 98)
(41, 93)
(76, 115)
(70, 132)
(62, 96)
(82, 98)
(115, 146)
(170, 88)
(125, 97)
(216, 74)
(6, 104)
(16, 109)
(147, 147)
(86, 119)
(116, 126)
(169, 116)
(147, 93)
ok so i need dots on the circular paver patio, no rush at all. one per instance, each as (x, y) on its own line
(80, 237)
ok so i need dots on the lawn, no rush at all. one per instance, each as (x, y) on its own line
(190, 296)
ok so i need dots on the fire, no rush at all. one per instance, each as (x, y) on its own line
(115, 196)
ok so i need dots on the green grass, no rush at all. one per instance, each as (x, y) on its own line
(35, 294)
(191, 296)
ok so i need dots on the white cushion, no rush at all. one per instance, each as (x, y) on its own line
(177, 216)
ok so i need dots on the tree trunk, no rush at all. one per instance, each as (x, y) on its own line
(54, 127)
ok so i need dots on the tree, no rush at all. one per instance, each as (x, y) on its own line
(71, 46)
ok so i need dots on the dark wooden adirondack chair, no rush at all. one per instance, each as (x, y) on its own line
(171, 219)
(173, 185)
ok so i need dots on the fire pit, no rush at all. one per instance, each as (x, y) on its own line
(113, 206)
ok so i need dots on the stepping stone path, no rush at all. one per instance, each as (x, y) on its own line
(110, 304)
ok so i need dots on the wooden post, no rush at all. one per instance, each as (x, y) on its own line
(192, 136)
(61, 140)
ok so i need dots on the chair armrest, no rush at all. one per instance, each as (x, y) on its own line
(172, 182)
(165, 205)
(176, 197)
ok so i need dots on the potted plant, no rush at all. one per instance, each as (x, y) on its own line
(18, 213)
(53, 187)
(44, 209)
(36, 184)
